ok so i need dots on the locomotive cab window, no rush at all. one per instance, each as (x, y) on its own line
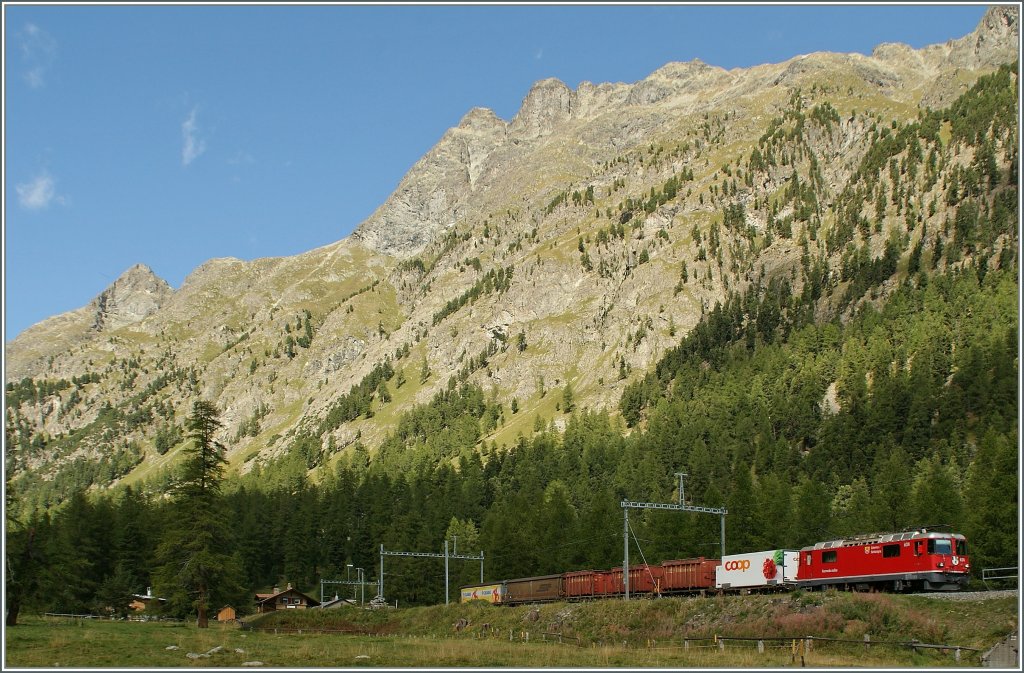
(961, 547)
(828, 557)
(939, 547)
(890, 551)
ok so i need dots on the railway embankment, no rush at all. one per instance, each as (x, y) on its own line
(972, 621)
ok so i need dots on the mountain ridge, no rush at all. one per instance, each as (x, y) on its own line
(599, 223)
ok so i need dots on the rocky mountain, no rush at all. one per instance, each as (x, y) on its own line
(571, 245)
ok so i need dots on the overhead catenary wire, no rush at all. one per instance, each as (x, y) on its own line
(642, 556)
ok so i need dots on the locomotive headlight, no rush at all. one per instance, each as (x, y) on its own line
(941, 564)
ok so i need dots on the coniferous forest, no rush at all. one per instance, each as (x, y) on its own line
(894, 407)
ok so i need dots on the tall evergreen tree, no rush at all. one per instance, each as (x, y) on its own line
(991, 524)
(891, 502)
(196, 568)
(21, 558)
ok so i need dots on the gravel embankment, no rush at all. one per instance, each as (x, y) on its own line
(969, 595)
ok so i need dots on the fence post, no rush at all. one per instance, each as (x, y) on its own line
(686, 644)
(867, 641)
(956, 655)
(760, 647)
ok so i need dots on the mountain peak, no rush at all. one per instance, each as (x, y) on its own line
(996, 40)
(137, 272)
(480, 117)
(676, 78)
(548, 103)
(135, 295)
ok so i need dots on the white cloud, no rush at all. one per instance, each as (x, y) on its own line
(193, 144)
(539, 54)
(38, 193)
(38, 52)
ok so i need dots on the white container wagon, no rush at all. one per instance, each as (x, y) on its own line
(758, 570)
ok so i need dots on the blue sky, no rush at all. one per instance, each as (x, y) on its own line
(169, 135)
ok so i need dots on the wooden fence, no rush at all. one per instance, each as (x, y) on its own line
(114, 618)
(799, 647)
(306, 630)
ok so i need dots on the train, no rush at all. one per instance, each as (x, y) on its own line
(917, 560)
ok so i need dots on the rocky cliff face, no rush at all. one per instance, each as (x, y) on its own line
(616, 214)
(991, 43)
(135, 295)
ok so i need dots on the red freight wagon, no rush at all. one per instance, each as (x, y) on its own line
(643, 578)
(691, 574)
(898, 561)
(582, 584)
(605, 583)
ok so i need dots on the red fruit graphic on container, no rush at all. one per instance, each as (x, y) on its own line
(769, 569)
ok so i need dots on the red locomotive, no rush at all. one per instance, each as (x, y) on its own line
(893, 561)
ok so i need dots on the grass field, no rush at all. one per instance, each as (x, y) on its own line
(669, 633)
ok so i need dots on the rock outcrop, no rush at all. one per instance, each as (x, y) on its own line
(134, 296)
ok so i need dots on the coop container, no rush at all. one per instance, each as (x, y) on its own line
(755, 570)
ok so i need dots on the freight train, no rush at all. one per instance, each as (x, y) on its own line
(916, 560)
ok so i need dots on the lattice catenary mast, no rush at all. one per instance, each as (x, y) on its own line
(628, 505)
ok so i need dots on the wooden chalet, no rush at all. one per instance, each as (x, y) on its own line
(226, 614)
(289, 599)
